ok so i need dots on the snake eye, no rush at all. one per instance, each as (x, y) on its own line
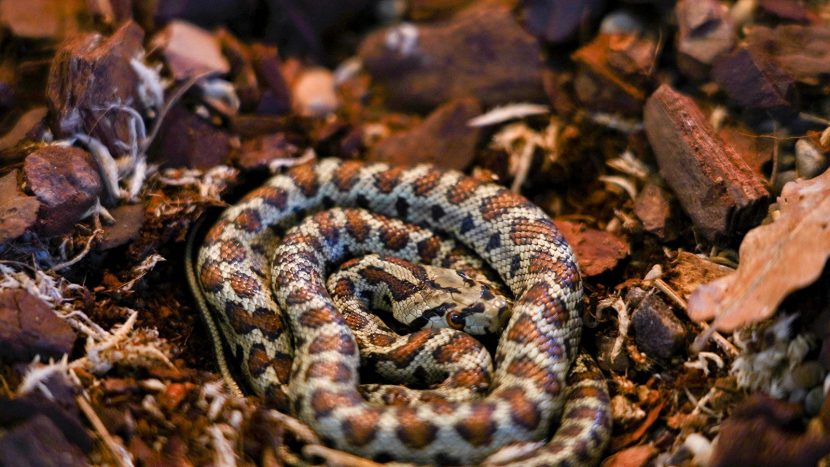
(455, 320)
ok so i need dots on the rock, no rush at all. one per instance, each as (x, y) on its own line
(714, 185)
(313, 93)
(66, 182)
(753, 80)
(443, 138)
(18, 212)
(29, 327)
(38, 442)
(810, 160)
(276, 97)
(42, 19)
(704, 33)
(614, 72)
(187, 140)
(189, 51)
(481, 52)
(597, 251)
(556, 21)
(128, 221)
(653, 208)
(256, 153)
(765, 431)
(658, 333)
(89, 74)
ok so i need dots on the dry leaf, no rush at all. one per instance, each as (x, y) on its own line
(776, 259)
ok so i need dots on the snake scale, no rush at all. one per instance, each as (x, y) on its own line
(273, 250)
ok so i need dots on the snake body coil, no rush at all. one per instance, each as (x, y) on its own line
(272, 251)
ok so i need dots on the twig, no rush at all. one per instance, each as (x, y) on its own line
(118, 452)
(81, 255)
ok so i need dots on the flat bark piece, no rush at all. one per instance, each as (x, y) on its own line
(128, 221)
(481, 52)
(713, 184)
(39, 442)
(776, 259)
(18, 212)
(187, 140)
(704, 32)
(753, 80)
(190, 50)
(89, 77)
(444, 138)
(597, 251)
(29, 327)
(801, 51)
(66, 182)
(653, 207)
(22, 128)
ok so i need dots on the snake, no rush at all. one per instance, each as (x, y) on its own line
(260, 282)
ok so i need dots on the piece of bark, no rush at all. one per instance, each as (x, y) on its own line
(276, 97)
(803, 52)
(653, 207)
(38, 442)
(689, 271)
(790, 10)
(614, 72)
(754, 149)
(26, 125)
(776, 259)
(556, 21)
(443, 138)
(704, 32)
(65, 180)
(714, 185)
(128, 221)
(18, 212)
(753, 80)
(190, 51)
(635, 456)
(481, 52)
(242, 73)
(258, 152)
(89, 75)
(29, 327)
(187, 140)
(657, 331)
(42, 19)
(597, 251)
(765, 431)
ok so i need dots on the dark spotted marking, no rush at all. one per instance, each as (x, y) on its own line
(478, 427)
(393, 237)
(501, 202)
(248, 220)
(323, 401)
(360, 429)
(399, 288)
(341, 343)
(305, 179)
(388, 180)
(467, 224)
(258, 360)
(281, 363)
(244, 285)
(402, 208)
(522, 411)
(335, 372)
(381, 340)
(243, 321)
(273, 196)
(211, 276)
(346, 175)
(437, 212)
(462, 190)
(527, 231)
(215, 233)
(362, 201)
(429, 248)
(232, 251)
(403, 355)
(413, 431)
(319, 317)
(427, 182)
(459, 346)
(357, 226)
(494, 241)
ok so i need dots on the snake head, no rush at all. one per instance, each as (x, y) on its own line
(456, 301)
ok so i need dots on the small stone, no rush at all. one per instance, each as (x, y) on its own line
(807, 375)
(482, 51)
(66, 182)
(653, 208)
(782, 179)
(188, 140)
(29, 327)
(556, 21)
(813, 401)
(18, 212)
(809, 158)
(597, 251)
(704, 33)
(313, 93)
(443, 138)
(189, 50)
(128, 221)
(657, 331)
(39, 442)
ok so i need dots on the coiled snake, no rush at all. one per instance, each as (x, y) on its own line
(273, 249)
